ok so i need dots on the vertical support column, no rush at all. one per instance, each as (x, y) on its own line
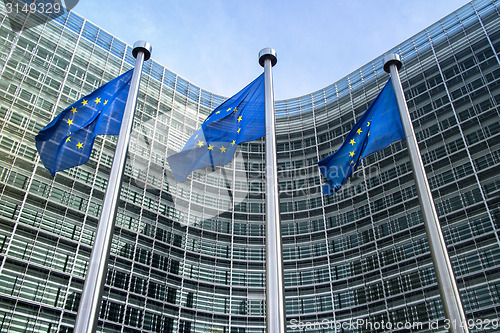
(275, 291)
(446, 279)
(90, 302)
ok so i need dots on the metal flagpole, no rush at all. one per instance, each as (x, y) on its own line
(446, 280)
(90, 302)
(275, 291)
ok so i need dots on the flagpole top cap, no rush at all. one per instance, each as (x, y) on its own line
(267, 53)
(390, 59)
(142, 46)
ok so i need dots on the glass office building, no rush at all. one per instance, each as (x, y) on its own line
(190, 257)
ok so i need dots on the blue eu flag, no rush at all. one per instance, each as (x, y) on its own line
(239, 119)
(67, 140)
(377, 128)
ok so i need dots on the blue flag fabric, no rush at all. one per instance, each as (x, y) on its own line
(239, 119)
(377, 128)
(67, 140)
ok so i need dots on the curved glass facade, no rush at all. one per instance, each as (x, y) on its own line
(190, 257)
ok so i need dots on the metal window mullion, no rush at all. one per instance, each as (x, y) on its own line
(323, 212)
(485, 31)
(36, 160)
(471, 161)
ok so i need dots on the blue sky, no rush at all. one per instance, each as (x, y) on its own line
(215, 43)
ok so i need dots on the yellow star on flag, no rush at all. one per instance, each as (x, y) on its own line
(97, 100)
(238, 131)
(222, 149)
(68, 139)
(233, 143)
(239, 118)
(228, 110)
(359, 131)
(351, 153)
(200, 144)
(352, 142)
(70, 122)
(79, 145)
(73, 109)
(210, 147)
(84, 102)
(217, 112)
(235, 109)
(367, 124)
(105, 102)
